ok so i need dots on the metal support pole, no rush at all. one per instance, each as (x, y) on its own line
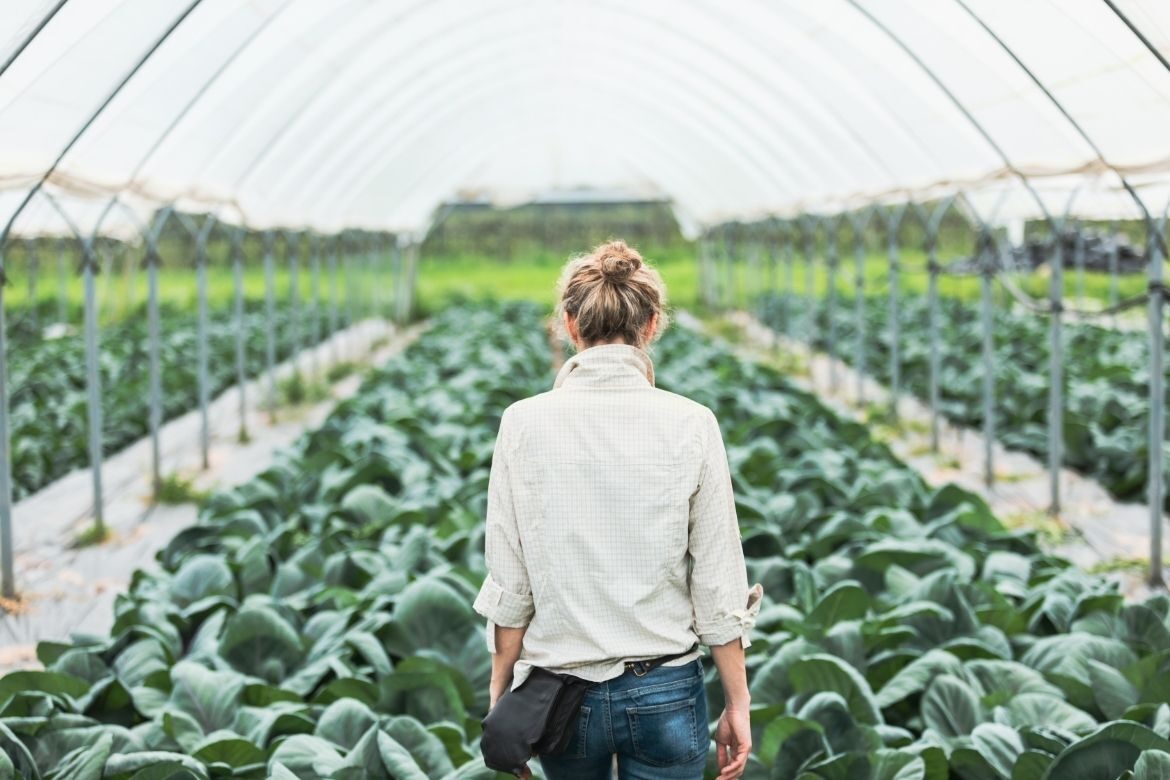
(789, 281)
(773, 283)
(33, 268)
(714, 294)
(270, 321)
(411, 271)
(62, 281)
(93, 383)
(700, 273)
(371, 281)
(154, 335)
(374, 283)
(7, 557)
(731, 249)
(365, 300)
(202, 349)
(715, 266)
(353, 280)
(107, 252)
(104, 254)
(389, 261)
(1080, 262)
(831, 260)
(131, 284)
(398, 276)
(237, 239)
(374, 287)
(293, 247)
(350, 304)
(769, 250)
(315, 297)
(334, 317)
(809, 320)
(370, 278)
(361, 271)
(932, 224)
(859, 304)
(751, 284)
(1056, 371)
(932, 270)
(398, 282)
(719, 258)
(343, 300)
(711, 269)
(894, 219)
(701, 270)
(987, 271)
(1114, 252)
(1157, 431)
(718, 272)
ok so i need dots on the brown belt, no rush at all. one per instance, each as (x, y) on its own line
(642, 668)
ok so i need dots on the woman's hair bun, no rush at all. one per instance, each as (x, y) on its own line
(611, 294)
(618, 261)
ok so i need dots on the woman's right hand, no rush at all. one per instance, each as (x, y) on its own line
(733, 742)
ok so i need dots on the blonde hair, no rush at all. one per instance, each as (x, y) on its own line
(612, 293)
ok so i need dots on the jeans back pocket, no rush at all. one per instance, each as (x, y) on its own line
(666, 734)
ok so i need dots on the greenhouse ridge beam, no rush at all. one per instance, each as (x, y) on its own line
(369, 135)
(299, 113)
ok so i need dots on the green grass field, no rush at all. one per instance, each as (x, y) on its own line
(122, 290)
(472, 277)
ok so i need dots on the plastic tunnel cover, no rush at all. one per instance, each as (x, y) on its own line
(369, 113)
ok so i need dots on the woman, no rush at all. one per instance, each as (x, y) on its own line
(612, 538)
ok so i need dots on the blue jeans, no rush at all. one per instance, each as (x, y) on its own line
(656, 724)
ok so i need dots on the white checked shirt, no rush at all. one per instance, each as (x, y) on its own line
(611, 528)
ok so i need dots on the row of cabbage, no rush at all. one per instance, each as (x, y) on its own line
(908, 634)
(47, 384)
(1106, 377)
(316, 622)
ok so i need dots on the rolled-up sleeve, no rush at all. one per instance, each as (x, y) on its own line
(505, 598)
(725, 608)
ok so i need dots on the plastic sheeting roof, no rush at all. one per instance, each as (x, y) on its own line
(368, 113)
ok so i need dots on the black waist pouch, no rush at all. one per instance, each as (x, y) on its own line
(536, 718)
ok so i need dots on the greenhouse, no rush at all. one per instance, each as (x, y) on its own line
(271, 272)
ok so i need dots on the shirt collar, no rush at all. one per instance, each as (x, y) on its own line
(607, 365)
